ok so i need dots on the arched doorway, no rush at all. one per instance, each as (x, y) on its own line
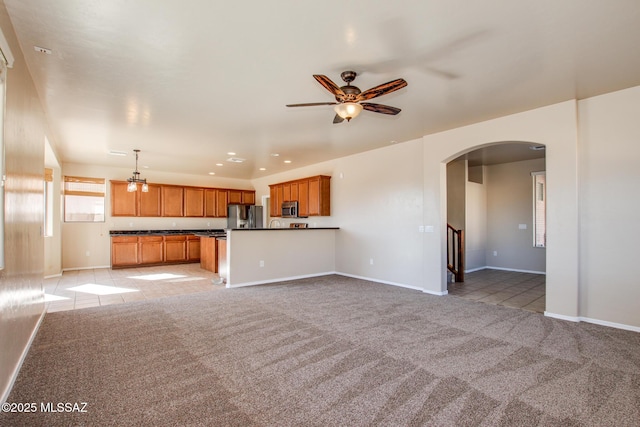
(490, 201)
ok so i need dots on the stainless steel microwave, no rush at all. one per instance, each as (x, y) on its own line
(290, 209)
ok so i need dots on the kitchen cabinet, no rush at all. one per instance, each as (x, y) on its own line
(124, 251)
(193, 248)
(210, 195)
(151, 249)
(209, 254)
(303, 198)
(248, 197)
(319, 196)
(235, 197)
(222, 258)
(172, 200)
(129, 251)
(313, 195)
(175, 248)
(222, 200)
(149, 202)
(276, 195)
(123, 203)
(193, 202)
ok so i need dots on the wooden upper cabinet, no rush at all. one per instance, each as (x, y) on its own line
(194, 201)
(172, 200)
(303, 197)
(249, 197)
(150, 202)
(123, 203)
(210, 196)
(222, 200)
(319, 196)
(235, 197)
(312, 194)
(275, 200)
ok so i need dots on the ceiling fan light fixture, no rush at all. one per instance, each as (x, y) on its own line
(348, 110)
(135, 179)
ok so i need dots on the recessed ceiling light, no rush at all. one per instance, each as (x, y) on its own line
(231, 153)
(263, 169)
(219, 164)
(117, 153)
(287, 161)
(212, 173)
(275, 155)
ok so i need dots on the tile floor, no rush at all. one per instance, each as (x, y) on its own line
(507, 288)
(103, 286)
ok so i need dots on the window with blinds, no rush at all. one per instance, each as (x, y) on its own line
(83, 199)
(539, 209)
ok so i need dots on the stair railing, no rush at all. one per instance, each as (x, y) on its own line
(455, 253)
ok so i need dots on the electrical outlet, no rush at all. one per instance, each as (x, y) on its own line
(371, 261)
(495, 253)
(421, 229)
(87, 253)
(261, 263)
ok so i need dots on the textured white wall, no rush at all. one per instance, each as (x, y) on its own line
(610, 207)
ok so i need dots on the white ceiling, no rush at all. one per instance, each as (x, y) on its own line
(187, 82)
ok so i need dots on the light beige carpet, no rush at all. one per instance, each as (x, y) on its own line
(329, 351)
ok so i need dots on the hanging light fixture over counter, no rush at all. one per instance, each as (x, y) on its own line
(135, 179)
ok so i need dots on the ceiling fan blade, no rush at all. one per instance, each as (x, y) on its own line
(379, 108)
(329, 85)
(382, 89)
(337, 119)
(311, 104)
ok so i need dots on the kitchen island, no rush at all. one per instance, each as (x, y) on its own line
(267, 255)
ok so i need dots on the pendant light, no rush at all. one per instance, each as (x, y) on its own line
(135, 179)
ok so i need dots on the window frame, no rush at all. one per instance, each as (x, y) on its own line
(68, 181)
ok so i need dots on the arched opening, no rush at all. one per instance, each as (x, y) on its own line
(491, 211)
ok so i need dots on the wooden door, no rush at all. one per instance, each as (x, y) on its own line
(193, 248)
(172, 200)
(235, 197)
(303, 197)
(210, 195)
(249, 197)
(124, 251)
(150, 202)
(221, 203)
(175, 248)
(193, 202)
(123, 203)
(151, 249)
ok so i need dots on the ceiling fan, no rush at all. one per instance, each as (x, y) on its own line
(349, 98)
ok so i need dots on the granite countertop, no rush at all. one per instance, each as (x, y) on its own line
(283, 228)
(208, 232)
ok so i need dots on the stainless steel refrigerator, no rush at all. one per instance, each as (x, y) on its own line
(244, 216)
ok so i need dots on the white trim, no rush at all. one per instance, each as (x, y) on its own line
(517, 270)
(53, 275)
(5, 50)
(384, 282)
(279, 279)
(611, 324)
(14, 376)
(87, 268)
(562, 317)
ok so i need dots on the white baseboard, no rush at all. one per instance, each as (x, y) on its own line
(516, 270)
(611, 324)
(85, 268)
(384, 282)
(562, 317)
(14, 376)
(51, 276)
(279, 279)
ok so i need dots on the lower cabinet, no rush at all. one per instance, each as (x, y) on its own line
(130, 251)
(209, 254)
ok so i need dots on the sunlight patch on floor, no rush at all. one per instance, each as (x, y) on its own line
(158, 276)
(49, 297)
(92, 288)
